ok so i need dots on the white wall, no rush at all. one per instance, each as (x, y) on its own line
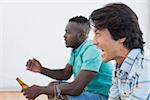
(35, 28)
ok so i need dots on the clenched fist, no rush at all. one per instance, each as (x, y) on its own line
(34, 65)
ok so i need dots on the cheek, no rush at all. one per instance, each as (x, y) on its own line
(71, 37)
(104, 44)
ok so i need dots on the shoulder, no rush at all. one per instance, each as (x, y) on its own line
(89, 47)
(141, 66)
(146, 55)
(91, 51)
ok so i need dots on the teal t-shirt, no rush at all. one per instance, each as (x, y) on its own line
(88, 57)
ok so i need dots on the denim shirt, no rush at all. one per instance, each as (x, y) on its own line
(131, 80)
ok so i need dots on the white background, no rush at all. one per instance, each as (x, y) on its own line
(35, 28)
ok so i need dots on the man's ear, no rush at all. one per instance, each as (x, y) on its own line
(80, 34)
(122, 40)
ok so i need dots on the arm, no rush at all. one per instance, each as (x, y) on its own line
(60, 74)
(140, 81)
(141, 90)
(73, 88)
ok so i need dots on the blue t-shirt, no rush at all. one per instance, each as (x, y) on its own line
(88, 57)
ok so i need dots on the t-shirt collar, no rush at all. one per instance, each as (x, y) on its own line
(79, 48)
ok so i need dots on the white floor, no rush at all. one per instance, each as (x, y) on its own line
(16, 95)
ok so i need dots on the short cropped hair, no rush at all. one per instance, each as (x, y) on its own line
(81, 20)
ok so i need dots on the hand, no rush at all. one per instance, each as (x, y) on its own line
(34, 65)
(32, 92)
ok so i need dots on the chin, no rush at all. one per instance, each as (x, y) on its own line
(106, 59)
(68, 46)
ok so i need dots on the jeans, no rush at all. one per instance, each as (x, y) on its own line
(88, 96)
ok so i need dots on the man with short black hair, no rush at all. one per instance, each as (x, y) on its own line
(93, 78)
(118, 35)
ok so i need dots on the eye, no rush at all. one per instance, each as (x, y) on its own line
(97, 34)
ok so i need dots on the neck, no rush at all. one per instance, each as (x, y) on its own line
(122, 54)
(80, 42)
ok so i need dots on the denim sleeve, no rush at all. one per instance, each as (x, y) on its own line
(142, 89)
(136, 86)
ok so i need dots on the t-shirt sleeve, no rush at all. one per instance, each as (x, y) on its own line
(92, 59)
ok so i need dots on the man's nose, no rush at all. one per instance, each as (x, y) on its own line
(94, 41)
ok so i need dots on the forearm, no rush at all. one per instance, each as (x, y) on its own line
(55, 74)
(65, 88)
(72, 89)
(76, 87)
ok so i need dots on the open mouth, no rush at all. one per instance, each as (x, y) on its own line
(65, 42)
(103, 53)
